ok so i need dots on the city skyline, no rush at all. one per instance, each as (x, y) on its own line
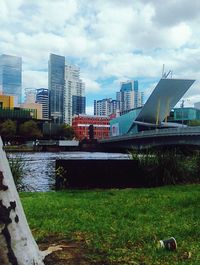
(110, 41)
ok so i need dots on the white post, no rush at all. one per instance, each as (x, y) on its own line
(17, 245)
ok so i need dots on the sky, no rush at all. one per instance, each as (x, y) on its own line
(110, 40)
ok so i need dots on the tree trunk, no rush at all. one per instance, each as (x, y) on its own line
(17, 245)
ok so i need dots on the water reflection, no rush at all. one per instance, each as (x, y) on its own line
(40, 167)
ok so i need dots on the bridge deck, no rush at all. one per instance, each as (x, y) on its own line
(158, 137)
(156, 133)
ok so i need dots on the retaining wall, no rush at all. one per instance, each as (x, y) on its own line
(98, 174)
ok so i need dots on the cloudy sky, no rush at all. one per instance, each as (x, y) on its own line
(111, 41)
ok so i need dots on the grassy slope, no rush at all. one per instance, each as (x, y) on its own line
(122, 226)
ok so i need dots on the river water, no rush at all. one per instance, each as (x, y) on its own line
(39, 173)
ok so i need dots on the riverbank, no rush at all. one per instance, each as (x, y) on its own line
(61, 146)
(120, 226)
(25, 148)
(18, 148)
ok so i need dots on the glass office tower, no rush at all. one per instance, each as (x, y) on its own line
(11, 77)
(78, 105)
(56, 75)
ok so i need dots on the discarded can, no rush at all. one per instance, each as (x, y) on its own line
(169, 243)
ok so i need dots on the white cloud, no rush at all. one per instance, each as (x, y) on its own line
(181, 34)
(192, 95)
(110, 40)
(149, 90)
(90, 110)
(91, 85)
(3, 11)
(36, 79)
(174, 12)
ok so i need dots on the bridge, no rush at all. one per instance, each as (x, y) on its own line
(147, 126)
(187, 136)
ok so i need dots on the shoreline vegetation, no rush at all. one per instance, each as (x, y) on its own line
(120, 226)
(168, 166)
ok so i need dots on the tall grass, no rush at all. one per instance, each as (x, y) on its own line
(168, 166)
(18, 169)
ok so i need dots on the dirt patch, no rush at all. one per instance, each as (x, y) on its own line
(65, 252)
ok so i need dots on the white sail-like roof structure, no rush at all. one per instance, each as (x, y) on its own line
(163, 98)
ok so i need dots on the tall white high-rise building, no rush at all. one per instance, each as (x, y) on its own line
(106, 107)
(129, 96)
(74, 93)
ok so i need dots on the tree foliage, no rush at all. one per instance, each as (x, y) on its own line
(194, 123)
(30, 130)
(8, 129)
(66, 131)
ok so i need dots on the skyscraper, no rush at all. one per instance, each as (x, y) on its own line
(11, 77)
(42, 97)
(56, 79)
(129, 96)
(66, 90)
(74, 96)
(106, 107)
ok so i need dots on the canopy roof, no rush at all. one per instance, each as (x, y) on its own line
(163, 98)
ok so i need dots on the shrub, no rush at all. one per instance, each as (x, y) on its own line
(168, 166)
(18, 168)
(61, 180)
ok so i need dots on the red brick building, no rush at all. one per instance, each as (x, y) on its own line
(81, 123)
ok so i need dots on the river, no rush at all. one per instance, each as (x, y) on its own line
(39, 173)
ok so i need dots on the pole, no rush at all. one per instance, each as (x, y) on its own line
(182, 106)
(158, 113)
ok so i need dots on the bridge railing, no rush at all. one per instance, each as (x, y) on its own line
(158, 132)
(179, 131)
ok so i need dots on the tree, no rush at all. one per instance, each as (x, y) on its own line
(66, 131)
(194, 123)
(17, 245)
(8, 129)
(29, 129)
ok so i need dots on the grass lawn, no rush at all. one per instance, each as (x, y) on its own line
(121, 226)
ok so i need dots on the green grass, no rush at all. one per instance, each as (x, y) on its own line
(122, 226)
